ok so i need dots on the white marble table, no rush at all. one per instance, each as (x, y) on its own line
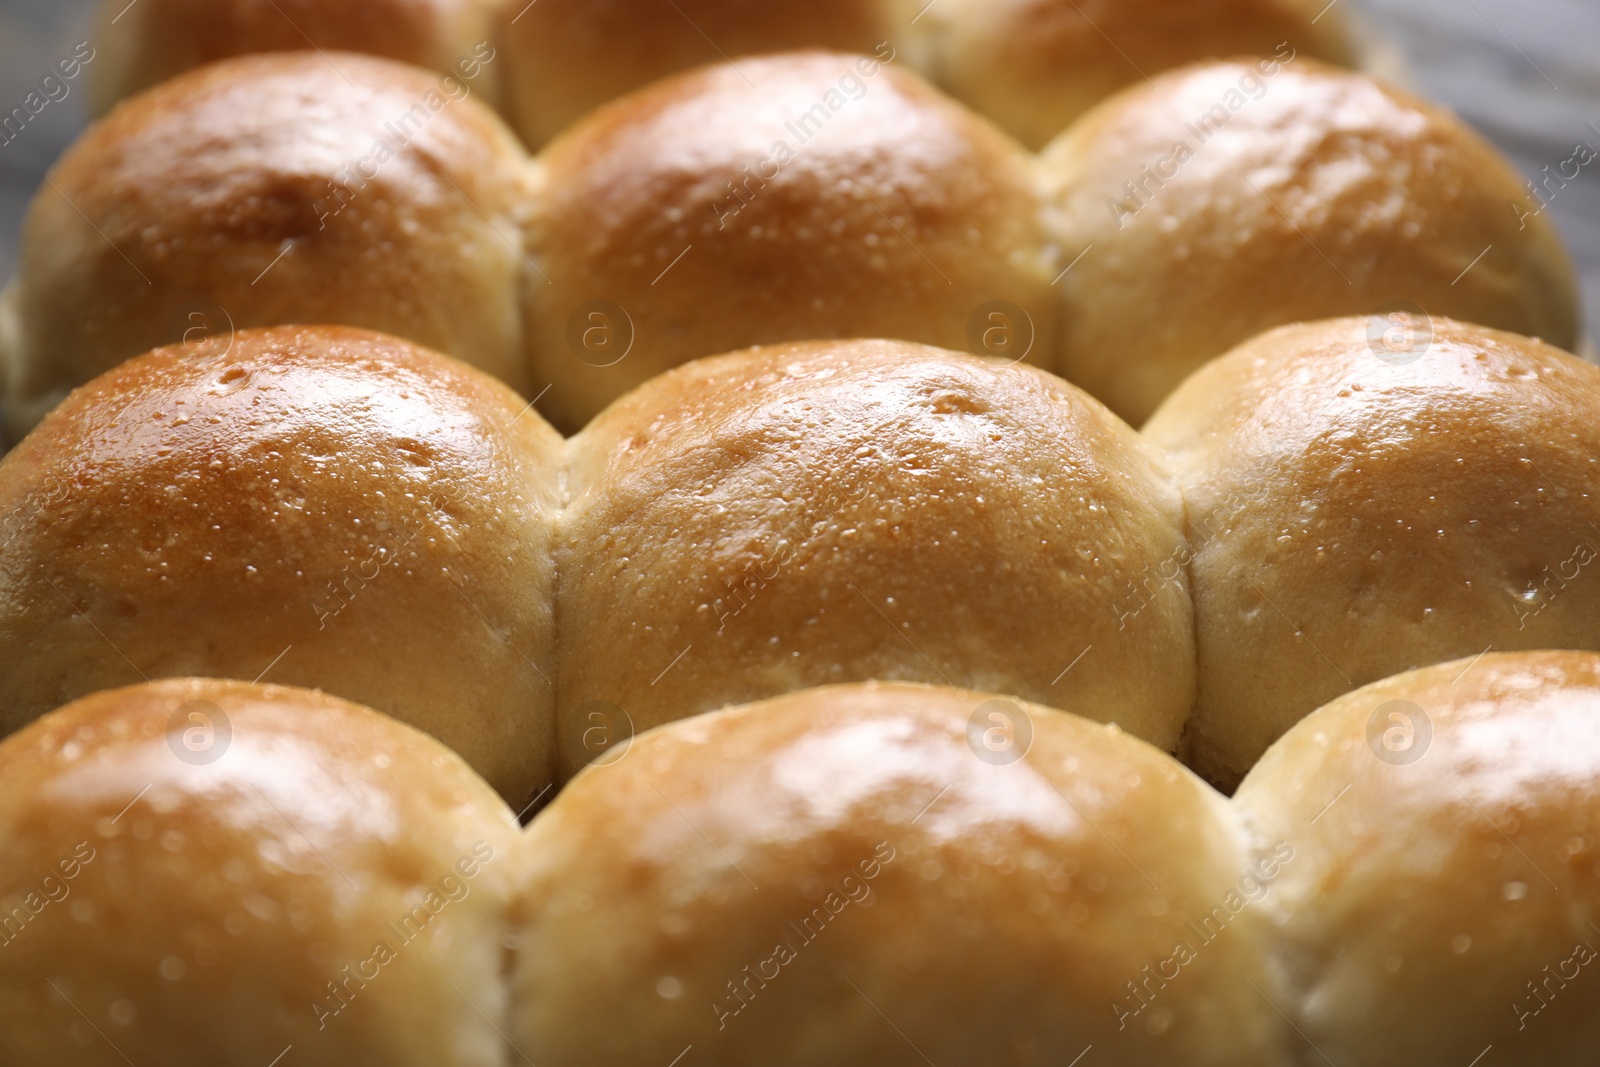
(1525, 72)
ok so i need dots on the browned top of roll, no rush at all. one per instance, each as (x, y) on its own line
(839, 511)
(380, 508)
(1366, 496)
(1056, 878)
(1445, 894)
(270, 189)
(196, 866)
(1226, 198)
(828, 195)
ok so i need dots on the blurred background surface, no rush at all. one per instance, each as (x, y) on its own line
(1525, 72)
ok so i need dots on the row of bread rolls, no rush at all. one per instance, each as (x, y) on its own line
(794, 197)
(883, 874)
(1031, 66)
(367, 517)
(352, 513)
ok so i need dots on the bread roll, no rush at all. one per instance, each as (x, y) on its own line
(330, 507)
(153, 40)
(1445, 890)
(1227, 198)
(825, 512)
(828, 195)
(213, 872)
(1364, 498)
(1035, 65)
(564, 58)
(854, 875)
(269, 190)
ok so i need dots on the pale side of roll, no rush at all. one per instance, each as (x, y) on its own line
(800, 196)
(824, 512)
(1227, 198)
(200, 871)
(1444, 900)
(1366, 496)
(897, 875)
(320, 506)
(273, 189)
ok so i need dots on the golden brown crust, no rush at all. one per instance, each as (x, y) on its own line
(188, 865)
(564, 58)
(991, 913)
(1356, 511)
(1446, 887)
(254, 192)
(759, 204)
(822, 512)
(376, 514)
(859, 234)
(1033, 66)
(1313, 193)
(154, 40)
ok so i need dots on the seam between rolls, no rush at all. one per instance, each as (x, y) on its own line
(502, 91)
(1185, 736)
(512, 924)
(557, 501)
